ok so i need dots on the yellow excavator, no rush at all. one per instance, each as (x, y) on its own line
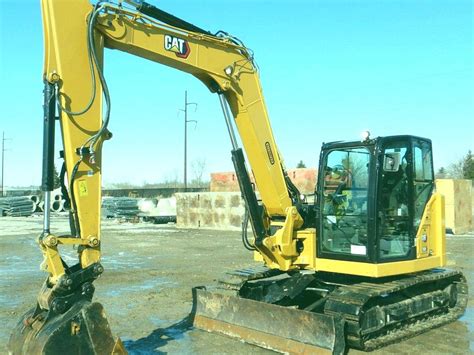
(360, 267)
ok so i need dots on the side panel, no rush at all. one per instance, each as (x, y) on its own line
(378, 270)
(431, 236)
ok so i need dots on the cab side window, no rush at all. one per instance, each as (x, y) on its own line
(394, 204)
(423, 179)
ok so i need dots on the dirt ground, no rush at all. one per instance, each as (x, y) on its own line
(149, 273)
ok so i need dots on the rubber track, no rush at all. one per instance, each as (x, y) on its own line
(358, 295)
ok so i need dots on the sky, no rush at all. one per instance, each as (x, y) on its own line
(330, 69)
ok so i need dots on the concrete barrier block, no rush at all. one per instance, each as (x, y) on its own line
(211, 210)
(458, 199)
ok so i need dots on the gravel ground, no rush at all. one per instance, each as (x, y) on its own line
(149, 273)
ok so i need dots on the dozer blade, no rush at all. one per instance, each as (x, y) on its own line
(83, 329)
(270, 326)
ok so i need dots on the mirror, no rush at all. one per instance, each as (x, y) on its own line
(391, 162)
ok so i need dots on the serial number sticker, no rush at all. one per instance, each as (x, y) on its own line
(269, 153)
(83, 188)
(358, 249)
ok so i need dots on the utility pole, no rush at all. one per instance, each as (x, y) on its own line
(3, 162)
(186, 121)
(3, 158)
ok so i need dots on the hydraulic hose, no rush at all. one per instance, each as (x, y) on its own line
(105, 122)
(73, 199)
(245, 224)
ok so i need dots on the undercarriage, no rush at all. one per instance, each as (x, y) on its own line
(355, 312)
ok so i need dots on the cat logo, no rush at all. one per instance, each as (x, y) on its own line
(177, 45)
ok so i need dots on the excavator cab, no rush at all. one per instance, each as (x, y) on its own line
(372, 198)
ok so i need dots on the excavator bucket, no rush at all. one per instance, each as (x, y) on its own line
(83, 329)
(270, 326)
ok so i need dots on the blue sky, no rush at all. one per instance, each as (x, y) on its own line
(329, 69)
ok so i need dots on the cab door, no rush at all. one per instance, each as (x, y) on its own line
(344, 231)
(405, 184)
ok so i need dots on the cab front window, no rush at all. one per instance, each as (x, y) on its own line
(345, 201)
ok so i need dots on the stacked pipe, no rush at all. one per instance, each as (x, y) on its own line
(117, 207)
(108, 207)
(17, 206)
(36, 200)
(57, 202)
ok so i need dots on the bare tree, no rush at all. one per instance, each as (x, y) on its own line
(455, 170)
(122, 185)
(199, 166)
(171, 179)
